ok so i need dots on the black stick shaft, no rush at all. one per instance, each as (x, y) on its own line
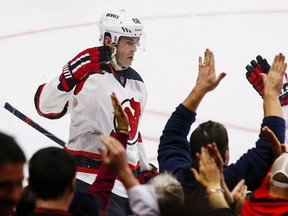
(33, 124)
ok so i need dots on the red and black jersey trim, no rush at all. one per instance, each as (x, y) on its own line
(90, 164)
(47, 115)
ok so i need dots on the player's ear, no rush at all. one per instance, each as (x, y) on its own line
(108, 41)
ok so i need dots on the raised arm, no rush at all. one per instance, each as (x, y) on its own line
(105, 179)
(173, 152)
(142, 198)
(206, 81)
(51, 99)
(254, 165)
(272, 87)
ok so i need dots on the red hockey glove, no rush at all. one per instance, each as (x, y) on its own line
(284, 95)
(81, 66)
(253, 73)
(262, 66)
(145, 176)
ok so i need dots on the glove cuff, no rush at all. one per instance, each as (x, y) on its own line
(67, 80)
(284, 95)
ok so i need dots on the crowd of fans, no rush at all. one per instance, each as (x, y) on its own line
(195, 177)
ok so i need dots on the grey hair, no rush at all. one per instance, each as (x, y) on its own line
(169, 192)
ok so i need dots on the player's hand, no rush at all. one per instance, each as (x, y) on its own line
(146, 175)
(81, 66)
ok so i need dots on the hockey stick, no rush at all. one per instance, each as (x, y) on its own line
(81, 161)
(33, 124)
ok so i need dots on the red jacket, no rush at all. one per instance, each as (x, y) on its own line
(261, 203)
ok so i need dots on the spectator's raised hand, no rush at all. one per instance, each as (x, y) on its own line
(273, 81)
(207, 79)
(119, 114)
(115, 158)
(214, 153)
(210, 177)
(209, 174)
(277, 147)
(239, 195)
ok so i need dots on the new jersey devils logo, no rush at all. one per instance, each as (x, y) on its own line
(133, 111)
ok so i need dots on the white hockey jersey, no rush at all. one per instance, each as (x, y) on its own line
(91, 112)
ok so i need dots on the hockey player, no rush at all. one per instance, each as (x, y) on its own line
(84, 88)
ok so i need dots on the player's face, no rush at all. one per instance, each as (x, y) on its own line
(11, 177)
(126, 48)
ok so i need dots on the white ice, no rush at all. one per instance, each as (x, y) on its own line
(37, 37)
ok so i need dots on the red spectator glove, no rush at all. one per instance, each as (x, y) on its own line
(145, 176)
(81, 66)
(262, 66)
(284, 94)
(253, 73)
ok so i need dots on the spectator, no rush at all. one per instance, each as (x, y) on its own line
(169, 193)
(174, 149)
(163, 194)
(52, 179)
(116, 161)
(12, 161)
(271, 198)
(97, 197)
(210, 177)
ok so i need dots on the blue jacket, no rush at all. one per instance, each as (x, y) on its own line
(174, 156)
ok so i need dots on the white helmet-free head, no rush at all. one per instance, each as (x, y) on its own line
(120, 23)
